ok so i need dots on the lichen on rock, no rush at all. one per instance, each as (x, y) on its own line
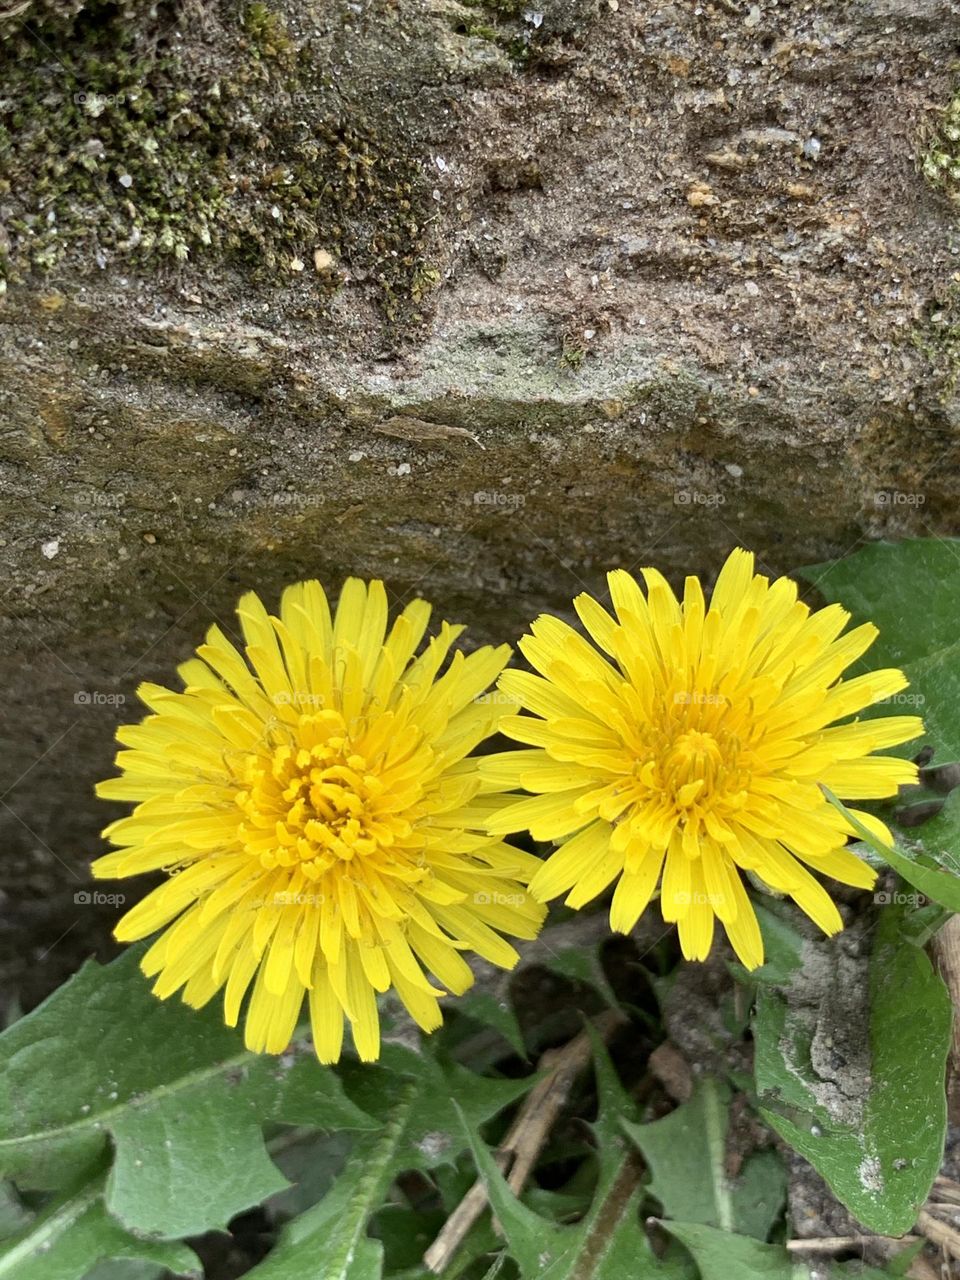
(167, 131)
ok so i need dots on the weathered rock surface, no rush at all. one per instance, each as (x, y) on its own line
(669, 271)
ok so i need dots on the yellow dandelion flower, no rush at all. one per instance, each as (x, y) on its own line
(693, 751)
(321, 823)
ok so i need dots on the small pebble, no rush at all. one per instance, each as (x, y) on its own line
(356, 456)
(51, 548)
(126, 180)
(733, 470)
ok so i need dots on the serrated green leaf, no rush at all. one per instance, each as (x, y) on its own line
(760, 1193)
(413, 1099)
(582, 964)
(721, 1254)
(336, 1229)
(496, 1014)
(433, 1134)
(168, 1186)
(884, 583)
(687, 1154)
(609, 1243)
(73, 1234)
(172, 1087)
(882, 1164)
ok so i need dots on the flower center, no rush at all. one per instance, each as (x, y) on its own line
(316, 800)
(695, 757)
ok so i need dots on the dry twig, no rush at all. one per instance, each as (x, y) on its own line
(518, 1152)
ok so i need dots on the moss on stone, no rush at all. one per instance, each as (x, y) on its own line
(938, 338)
(940, 156)
(119, 139)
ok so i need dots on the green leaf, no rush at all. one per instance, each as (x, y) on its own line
(582, 963)
(173, 1087)
(495, 1013)
(412, 1098)
(910, 590)
(941, 886)
(74, 1233)
(879, 1153)
(782, 944)
(939, 836)
(686, 1151)
(721, 1254)
(336, 1228)
(610, 1242)
(433, 1134)
(126, 1270)
(14, 1214)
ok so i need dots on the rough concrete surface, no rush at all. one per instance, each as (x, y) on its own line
(483, 298)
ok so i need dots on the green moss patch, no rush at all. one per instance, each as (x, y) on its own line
(147, 132)
(940, 157)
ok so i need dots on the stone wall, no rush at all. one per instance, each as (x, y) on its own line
(481, 298)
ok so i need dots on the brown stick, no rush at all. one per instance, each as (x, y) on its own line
(939, 1233)
(946, 1189)
(946, 949)
(837, 1244)
(517, 1153)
